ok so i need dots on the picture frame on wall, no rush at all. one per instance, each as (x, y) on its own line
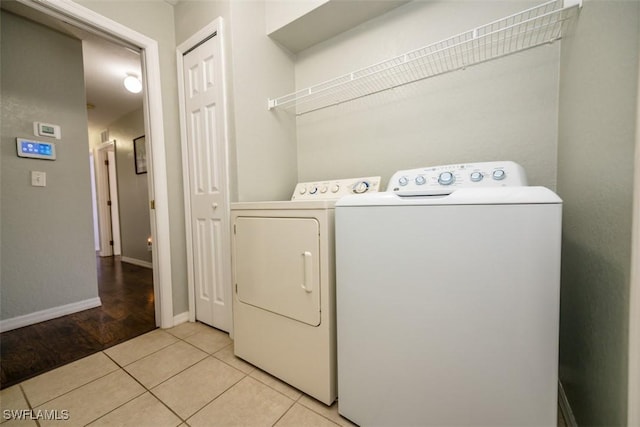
(140, 154)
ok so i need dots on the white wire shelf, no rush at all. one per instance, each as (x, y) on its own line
(524, 30)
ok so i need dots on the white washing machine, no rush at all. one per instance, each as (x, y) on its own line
(448, 300)
(284, 275)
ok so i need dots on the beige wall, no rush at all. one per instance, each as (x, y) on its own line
(265, 140)
(501, 110)
(598, 90)
(133, 189)
(37, 221)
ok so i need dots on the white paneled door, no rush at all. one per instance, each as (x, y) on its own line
(208, 188)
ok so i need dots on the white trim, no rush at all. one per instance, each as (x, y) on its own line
(156, 161)
(181, 318)
(102, 195)
(565, 407)
(138, 262)
(215, 26)
(633, 394)
(94, 202)
(113, 196)
(48, 314)
(185, 180)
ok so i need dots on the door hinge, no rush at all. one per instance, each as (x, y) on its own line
(106, 162)
(234, 232)
(108, 202)
(152, 204)
(110, 242)
(236, 288)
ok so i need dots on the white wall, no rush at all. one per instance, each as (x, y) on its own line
(501, 110)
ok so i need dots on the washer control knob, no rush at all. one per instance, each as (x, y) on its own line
(421, 180)
(403, 181)
(361, 187)
(313, 190)
(303, 190)
(335, 188)
(446, 178)
(324, 189)
(499, 174)
(476, 176)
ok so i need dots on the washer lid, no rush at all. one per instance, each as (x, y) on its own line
(460, 196)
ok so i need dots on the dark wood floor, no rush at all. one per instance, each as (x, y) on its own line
(127, 311)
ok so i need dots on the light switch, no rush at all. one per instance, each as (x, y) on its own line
(38, 179)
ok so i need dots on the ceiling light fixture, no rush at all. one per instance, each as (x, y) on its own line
(132, 84)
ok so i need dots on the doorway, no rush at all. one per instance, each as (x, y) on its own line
(107, 200)
(89, 20)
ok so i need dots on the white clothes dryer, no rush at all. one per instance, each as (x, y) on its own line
(448, 300)
(284, 280)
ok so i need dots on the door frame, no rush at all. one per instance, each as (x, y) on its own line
(107, 225)
(214, 27)
(89, 20)
(633, 389)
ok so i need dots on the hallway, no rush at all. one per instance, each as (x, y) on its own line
(127, 310)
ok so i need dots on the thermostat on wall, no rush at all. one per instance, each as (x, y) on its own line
(46, 129)
(36, 149)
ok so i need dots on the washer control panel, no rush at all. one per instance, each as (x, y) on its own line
(335, 189)
(445, 179)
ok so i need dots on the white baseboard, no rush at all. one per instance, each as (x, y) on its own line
(135, 261)
(181, 318)
(565, 407)
(48, 314)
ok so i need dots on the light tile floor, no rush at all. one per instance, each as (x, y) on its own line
(184, 376)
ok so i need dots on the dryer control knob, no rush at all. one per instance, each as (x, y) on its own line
(324, 189)
(420, 180)
(446, 178)
(403, 180)
(476, 176)
(313, 190)
(335, 188)
(360, 187)
(499, 174)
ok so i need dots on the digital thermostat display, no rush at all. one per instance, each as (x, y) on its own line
(46, 129)
(36, 149)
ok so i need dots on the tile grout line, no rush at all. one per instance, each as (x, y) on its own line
(220, 360)
(70, 390)
(293, 403)
(149, 390)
